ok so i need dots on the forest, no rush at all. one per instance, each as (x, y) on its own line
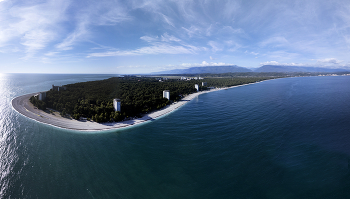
(139, 95)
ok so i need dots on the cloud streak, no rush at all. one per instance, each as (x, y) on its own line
(72, 38)
(39, 26)
(151, 50)
(33, 26)
(203, 64)
(165, 44)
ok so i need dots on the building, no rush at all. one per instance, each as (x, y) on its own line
(204, 83)
(166, 94)
(116, 104)
(196, 87)
(58, 88)
(42, 96)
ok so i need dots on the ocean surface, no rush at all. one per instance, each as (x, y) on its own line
(283, 138)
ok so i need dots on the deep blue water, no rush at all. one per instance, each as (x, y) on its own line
(284, 138)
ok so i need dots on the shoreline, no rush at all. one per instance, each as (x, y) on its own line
(22, 105)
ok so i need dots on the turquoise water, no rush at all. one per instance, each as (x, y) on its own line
(284, 138)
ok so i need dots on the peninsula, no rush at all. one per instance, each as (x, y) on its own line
(88, 106)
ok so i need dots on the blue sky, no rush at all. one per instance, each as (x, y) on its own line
(118, 37)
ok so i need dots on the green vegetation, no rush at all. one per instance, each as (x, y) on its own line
(139, 95)
(38, 103)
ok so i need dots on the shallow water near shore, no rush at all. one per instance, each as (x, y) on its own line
(283, 138)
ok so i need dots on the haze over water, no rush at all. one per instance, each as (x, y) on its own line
(284, 138)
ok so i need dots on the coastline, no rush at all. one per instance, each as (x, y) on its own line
(22, 105)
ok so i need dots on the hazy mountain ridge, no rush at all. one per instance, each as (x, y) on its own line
(279, 68)
(207, 69)
(235, 69)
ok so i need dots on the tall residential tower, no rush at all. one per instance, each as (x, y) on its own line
(166, 94)
(116, 104)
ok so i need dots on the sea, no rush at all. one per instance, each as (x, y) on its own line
(282, 138)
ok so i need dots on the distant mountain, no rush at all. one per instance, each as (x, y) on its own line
(238, 69)
(207, 69)
(277, 68)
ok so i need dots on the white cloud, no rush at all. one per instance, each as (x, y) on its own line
(233, 46)
(194, 48)
(270, 63)
(192, 31)
(282, 55)
(33, 25)
(209, 30)
(163, 38)
(165, 44)
(73, 37)
(108, 13)
(222, 30)
(35, 40)
(204, 63)
(167, 20)
(253, 53)
(38, 26)
(150, 50)
(274, 42)
(100, 14)
(215, 46)
(51, 53)
(149, 39)
(169, 38)
(283, 64)
(329, 61)
(163, 49)
(157, 11)
(230, 30)
(187, 10)
(5, 36)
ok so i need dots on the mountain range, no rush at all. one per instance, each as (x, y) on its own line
(238, 69)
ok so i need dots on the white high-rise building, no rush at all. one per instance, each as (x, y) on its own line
(196, 87)
(116, 104)
(204, 83)
(166, 94)
(42, 96)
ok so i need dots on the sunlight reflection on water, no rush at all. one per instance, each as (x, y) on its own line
(6, 152)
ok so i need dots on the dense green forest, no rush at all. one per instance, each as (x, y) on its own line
(138, 95)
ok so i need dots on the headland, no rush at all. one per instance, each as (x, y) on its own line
(23, 106)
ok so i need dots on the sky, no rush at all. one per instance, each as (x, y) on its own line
(140, 36)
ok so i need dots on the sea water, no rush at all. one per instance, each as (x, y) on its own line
(283, 138)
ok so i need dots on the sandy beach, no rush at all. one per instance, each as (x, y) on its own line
(23, 106)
